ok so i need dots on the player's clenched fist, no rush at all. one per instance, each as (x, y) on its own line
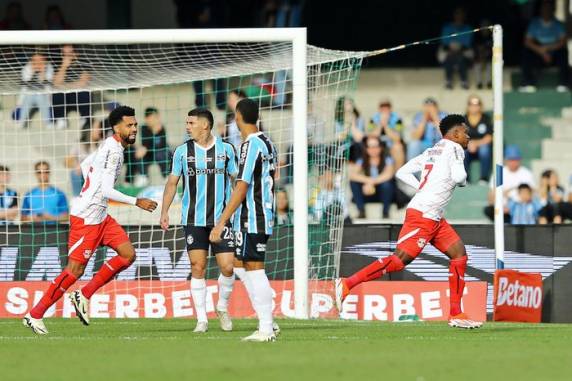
(146, 204)
(164, 221)
(216, 232)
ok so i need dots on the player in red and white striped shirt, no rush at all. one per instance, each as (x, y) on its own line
(442, 170)
(91, 226)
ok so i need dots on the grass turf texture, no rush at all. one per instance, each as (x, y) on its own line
(307, 350)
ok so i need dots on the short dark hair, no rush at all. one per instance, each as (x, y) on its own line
(4, 168)
(240, 93)
(40, 163)
(201, 112)
(524, 186)
(450, 121)
(116, 116)
(249, 110)
(150, 111)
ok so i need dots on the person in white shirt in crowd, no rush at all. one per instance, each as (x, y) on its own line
(513, 174)
(37, 76)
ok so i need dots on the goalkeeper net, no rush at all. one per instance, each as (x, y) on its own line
(55, 99)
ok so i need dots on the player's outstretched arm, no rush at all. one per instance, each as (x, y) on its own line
(168, 196)
(237, 197)
(146, 204)
(110, 193)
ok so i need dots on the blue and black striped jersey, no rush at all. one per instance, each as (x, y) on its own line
(207, 182)
(257, 166)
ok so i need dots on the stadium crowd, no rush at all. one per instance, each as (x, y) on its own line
(377, 145)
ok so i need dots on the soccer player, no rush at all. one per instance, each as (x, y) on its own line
(208, 165)
(441, 170)
(91, 226)
(253, 201)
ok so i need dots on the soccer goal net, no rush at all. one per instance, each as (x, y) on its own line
(56, 89)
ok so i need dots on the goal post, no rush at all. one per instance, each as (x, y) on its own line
(126, 63)
(498, 139)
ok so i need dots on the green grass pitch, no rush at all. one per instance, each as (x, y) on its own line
(146, 349)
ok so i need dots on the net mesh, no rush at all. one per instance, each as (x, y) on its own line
(54, 105)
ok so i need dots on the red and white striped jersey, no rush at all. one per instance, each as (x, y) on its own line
(442, 169)
(100, 171)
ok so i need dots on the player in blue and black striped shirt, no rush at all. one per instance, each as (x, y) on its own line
(253, 202)
(208, 166)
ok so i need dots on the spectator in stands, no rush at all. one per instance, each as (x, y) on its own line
(14, 19)
(8, 198)
(481, 144)
(230, 131)
(55, 19)
(513, 174)
(390, 128)
(44, 203)
(544, 45)
(456, 53)
(37, 76)
(551, 196)
(283, 215)
(483, 56)
(525, 210)
(327, 200)
(154, 146)
(89, 141)
(426, 128)
(565, 206)
(71, 75)
(204, 14)
(372, 177)
(348, 120)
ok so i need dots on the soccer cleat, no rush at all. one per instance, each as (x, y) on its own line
(276, 328)
(225, 321)
(36, 325)
(341, 290)
(462, 321)
(81, 305)
(260, 337)
(202, 327)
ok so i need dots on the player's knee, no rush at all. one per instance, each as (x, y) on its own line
(403, 257)
(227, 269)
(76, 269)
(397, 262)
(197, 270)
(130, 256)
(457, 250)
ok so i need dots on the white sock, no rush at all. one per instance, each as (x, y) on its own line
(225, 284)
(240, 272)
(199, 294)
(262, 299)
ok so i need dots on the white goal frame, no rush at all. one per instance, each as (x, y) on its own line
(296, 36)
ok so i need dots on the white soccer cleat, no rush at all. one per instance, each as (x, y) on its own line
(81, 305)
(260, 337)
(225, 321)
(341, 291)
(463, 321)
(36, 325)
(202, 327)
(276, 328)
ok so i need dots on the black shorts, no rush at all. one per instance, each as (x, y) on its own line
(197, 238)
(251, 247)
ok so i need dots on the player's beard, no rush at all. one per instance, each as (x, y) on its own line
(130, 139)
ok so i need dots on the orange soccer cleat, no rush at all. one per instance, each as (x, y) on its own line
(463, 321)
(341, 290)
